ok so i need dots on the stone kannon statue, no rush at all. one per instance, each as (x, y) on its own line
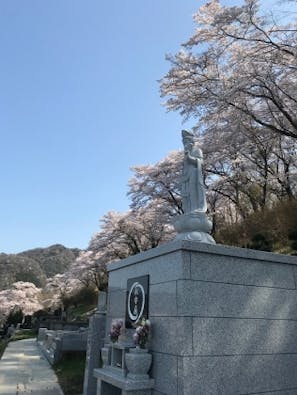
(194, 224)
(192, 188)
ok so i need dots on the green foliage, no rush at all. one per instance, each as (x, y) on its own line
(19, 335)
(272, 229)
(15, 268)
(54, 259)
(70, 371)
(39, 313)
(35, 265)
(24, 334)
(86, 296)
(29, 276)
(3, 344)
(15, 317)
(260, 242)
(293, 238)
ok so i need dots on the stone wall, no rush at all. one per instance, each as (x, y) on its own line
(224, 320)
(54, 343)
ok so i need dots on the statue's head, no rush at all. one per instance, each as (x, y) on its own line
(188, 138)
(187, 135)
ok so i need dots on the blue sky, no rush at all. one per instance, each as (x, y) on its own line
(79, 105)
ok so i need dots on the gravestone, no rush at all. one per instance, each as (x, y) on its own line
(224, 319)
(118, 375)
(95, 343)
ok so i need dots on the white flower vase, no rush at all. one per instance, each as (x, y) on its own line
(138, 362)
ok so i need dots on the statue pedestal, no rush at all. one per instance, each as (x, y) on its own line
(224, 320)
(194, 226)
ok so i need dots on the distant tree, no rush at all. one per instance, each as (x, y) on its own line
(121, 235)
(159, 182)
(244, 172)
(15, 316)
(83, 296)
(155, 195)
(247, 170)
(90, 269)
(28, 276)
(268, 229)
(22, 295)
(293, 238)
(125, 234)
(58, 287)
(260, 242)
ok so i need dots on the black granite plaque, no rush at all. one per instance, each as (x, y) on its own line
(137, 300)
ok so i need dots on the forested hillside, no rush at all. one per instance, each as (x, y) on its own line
(35, 265)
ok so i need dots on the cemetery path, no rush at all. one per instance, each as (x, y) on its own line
(24, 370)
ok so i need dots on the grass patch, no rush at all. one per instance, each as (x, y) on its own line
(70, 371)
(285, 250)
(21, 334)
(82, 311)
(3, 344)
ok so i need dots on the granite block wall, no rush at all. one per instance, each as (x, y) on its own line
(224, 319)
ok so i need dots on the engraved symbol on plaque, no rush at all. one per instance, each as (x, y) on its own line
(136, 301)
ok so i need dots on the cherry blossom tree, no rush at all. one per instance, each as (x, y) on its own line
(128, 233)
(23, 295)
(158, 182)
(155, 195)
(239, 61)
(57, 287)
(121, 235)
(90, 269)
(237, 77)
(249, 169)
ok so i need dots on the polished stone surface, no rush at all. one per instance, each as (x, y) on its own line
(208, 299)
(110, 377)
(165, 373)
(171, 265)
(235, 270)
(224, 319)
(242, 374)
(180, 247)
(163, 299)
(171, 335)
(227, 336)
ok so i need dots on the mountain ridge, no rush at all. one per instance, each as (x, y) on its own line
(35, 265)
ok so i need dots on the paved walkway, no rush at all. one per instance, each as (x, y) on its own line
(23, 370)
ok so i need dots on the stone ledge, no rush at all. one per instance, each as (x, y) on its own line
(122, 382)
(182, 245)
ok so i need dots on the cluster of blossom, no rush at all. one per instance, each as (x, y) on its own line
(142, 332)
(116, 329)
(22, 294)
(90, 269)
(58, 286)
